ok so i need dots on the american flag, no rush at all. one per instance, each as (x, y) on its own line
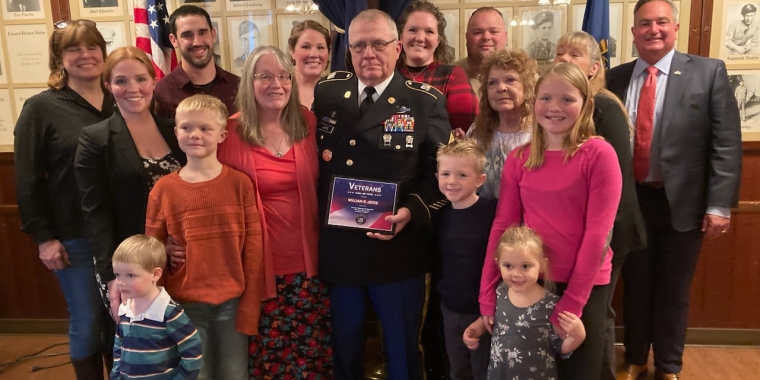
(152, 33)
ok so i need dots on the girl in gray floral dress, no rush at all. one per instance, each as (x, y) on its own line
(524, 343)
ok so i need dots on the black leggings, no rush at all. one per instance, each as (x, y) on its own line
(585, 362)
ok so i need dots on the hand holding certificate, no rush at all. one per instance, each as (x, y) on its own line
(362, 204)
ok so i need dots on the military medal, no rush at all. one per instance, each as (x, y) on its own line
(327, 155)
(409, 141)
(387, 139)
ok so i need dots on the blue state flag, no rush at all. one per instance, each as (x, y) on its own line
(596, 22)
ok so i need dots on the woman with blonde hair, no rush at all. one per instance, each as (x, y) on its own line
(118, 161)
(45, 142)
(565, 185)
(309, 46)
(611, 121)
(506, 110)
(272, 139)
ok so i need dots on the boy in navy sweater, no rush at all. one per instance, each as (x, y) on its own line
(463, 232)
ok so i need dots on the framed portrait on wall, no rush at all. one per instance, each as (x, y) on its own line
(509, 15)
(28, 52)
(7, 121)
(93, 9)
(24, 9)
(452, 32)
(286, 22)
(210, 6)
(746, 87)
(738, 33)
(247, 5)
(3, 67)
(539, 37)
(114, 34)
(246, 33)
(219, 56)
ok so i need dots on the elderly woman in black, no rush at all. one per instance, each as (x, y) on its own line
(45, 141)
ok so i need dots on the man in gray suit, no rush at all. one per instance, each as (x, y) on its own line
(687, 164)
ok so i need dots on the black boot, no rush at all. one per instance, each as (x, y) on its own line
(89, 368)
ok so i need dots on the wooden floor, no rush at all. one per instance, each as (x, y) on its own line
(702, 363)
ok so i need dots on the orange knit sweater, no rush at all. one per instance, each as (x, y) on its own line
(217, 222)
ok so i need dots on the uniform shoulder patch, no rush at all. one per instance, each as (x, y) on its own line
(424, 87)
(337, 76)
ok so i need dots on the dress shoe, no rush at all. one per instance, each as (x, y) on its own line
(631, 372)
(667, 376)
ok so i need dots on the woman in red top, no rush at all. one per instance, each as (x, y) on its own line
(272, 139)
(426, 57)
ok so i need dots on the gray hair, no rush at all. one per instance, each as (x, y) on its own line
(374, 15)
(293, 122)
(641, 3)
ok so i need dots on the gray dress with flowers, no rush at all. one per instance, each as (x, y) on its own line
(524, 345)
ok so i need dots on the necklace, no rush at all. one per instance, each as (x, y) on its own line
(277, 152)
(414, 77)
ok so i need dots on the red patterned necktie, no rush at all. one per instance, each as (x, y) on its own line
(642, 145)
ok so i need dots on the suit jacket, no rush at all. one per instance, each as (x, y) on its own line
(700, 136)
(113, 185)
(629, 231)
(357, 147)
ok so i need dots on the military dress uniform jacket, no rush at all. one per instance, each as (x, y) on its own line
(372, 148)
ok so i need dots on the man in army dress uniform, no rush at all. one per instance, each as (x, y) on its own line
(542, 48)
(376, 126)
(743, 35)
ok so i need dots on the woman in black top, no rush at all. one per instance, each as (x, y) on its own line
(120, 159)
(612, 122)
(46, 137)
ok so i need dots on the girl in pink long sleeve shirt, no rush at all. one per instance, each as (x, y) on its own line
(566, 186)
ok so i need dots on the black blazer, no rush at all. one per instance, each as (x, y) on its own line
(629, 231)
(113, 185)
(700, 136)
(357, 147)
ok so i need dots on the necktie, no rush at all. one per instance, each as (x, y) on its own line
(642, 144)
(367, 102)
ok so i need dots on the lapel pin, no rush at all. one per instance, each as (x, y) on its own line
(347, 94)
(391, 100)
(677, 72)
(332, 114)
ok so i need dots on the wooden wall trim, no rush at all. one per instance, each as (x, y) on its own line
(706, 27)
(695, 23)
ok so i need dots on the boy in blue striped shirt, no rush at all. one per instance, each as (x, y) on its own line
(155, 339)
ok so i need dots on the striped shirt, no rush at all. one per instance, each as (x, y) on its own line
(158, 344)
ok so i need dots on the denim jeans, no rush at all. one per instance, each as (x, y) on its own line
(225, 351)
(87, 315)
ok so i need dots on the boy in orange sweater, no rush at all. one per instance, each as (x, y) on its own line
(210, 209)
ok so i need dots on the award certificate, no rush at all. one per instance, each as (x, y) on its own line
(361, 204)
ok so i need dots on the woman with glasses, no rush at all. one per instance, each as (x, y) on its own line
(46, 137)
(309, 45)
(118, 161)
(426, 57)
(272, 139)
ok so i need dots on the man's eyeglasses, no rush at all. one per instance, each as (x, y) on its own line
(64, 23)
(377, 45)
(269, 78)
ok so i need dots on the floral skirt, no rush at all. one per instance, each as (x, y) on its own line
(294, 332)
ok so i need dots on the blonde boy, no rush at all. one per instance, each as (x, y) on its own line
(155, 338)
(463, 236)
(210, 210)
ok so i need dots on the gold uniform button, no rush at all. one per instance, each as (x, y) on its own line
(352, 142)
(350, 162)
(398, 147)
(322, 137)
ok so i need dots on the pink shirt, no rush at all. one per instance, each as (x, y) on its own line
(572, 206)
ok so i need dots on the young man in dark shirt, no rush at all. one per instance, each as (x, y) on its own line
(463, 233)
(194, 35)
